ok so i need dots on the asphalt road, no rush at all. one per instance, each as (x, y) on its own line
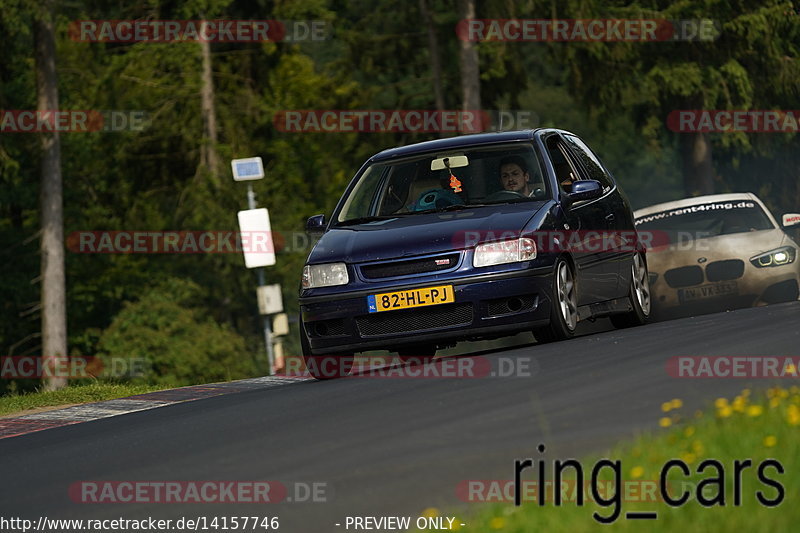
(392, 446)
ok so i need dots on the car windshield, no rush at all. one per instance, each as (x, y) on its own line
(706, 220)
(442, 181)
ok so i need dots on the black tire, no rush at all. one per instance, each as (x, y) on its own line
(639, 297)
(322, 367)
(420, 354)
(563, 306)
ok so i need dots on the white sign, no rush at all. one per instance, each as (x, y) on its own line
(251, 168)
(256, 234)
(270, 300)
(280, 324)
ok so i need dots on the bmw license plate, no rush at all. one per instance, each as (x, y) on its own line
(702, 292)
(390, 301)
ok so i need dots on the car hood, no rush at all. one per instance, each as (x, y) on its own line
(735, 246)
(421, 234)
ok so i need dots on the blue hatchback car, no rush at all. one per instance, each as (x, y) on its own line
(466, 238)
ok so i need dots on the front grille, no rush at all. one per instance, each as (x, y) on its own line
(507, 306)
(725, 270)
(411, 320)
(409, 267)
(684, 276)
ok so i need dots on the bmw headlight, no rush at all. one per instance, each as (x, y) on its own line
(328, 275)
(500, 252)
(778, 257)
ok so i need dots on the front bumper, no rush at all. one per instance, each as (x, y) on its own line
(756, 287)
(485, 306)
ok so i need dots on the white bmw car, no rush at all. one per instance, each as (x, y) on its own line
(718, 252)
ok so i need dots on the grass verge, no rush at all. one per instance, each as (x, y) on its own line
(73, 394)
(758, 428)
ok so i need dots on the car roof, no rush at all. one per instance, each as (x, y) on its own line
(697, 200)
(451, 143)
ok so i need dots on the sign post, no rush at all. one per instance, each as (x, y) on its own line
(259, 252)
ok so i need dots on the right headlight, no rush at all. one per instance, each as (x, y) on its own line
(777, 257)
(327, 275)
(500, 252)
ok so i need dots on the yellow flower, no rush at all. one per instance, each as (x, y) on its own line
(637, 472)
(721, 402)
(794, 389)
(456, 525)
(676, 403)
(689, 431)
(665, 422)
(497, 522)
(783, 393)
(688, 458)
(793, 415)
(725, 412)
(746, 393)
(666, 406)
(755, 410)
(774, 402)
(738, 404)
(790, 369)
(770, 441)
(697, 447)
(430, 512)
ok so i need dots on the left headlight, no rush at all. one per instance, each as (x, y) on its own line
(778, 257)
(328, 275)
(500, 252)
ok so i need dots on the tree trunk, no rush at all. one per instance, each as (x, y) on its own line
(54, 309)
(468, 62)
(433, 47)
(208, 150)
(698, 172)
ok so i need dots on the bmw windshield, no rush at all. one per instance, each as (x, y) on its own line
(706, 220)
(431, 182)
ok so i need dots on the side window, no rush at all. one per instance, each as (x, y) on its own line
(566, 173)
(589, 162)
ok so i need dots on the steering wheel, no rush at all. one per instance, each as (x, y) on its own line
(499, 196)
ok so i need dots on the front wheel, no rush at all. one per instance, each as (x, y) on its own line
(564, 307)
(638, 296)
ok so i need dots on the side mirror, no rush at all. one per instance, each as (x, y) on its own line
(791, 219)
(316, 225)
(585, 190)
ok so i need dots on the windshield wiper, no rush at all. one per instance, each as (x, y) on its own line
(454, 207)
(363, 220)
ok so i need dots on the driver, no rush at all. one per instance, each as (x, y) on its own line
(514, 175)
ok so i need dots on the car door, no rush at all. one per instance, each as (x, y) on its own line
(584, 219)
(599, 270)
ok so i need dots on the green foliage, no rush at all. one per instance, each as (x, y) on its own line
(169, 329)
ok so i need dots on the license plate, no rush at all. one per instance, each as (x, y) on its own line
(707, 291)
(391, 301)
